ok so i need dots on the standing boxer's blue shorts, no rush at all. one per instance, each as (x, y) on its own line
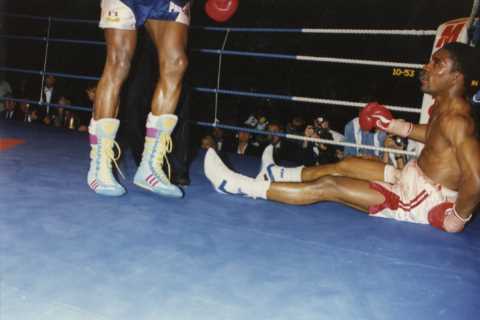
(129, 14)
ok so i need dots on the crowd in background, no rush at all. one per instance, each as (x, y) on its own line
(305, 150)
(294, 151)
(54, 108)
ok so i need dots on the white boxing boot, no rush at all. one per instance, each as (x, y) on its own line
(102, 141)
(226, 181)
(158, 143)
(269, 171)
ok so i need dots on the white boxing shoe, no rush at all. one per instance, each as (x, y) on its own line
(268, 163)
(269, 171)
(158, 143)
(226, 181)
(102, 142)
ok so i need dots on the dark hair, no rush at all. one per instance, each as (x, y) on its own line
(276, 123)
(465, 60)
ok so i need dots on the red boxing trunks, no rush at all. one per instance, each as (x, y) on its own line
(412, 197)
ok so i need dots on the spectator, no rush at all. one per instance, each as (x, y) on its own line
(308, 155)
(218, 137)
(259, 122)
(354, 134)
(243, 146)
(59, 119)
(50, 93)
(281, 148)
(314, 153)
(208, 142)
(261, 139)
(32, 113)
(65, 117)
(5, 90)
(296, 127)
(23, 111)
(328, 153)
(323, 123)
(251, 121)
(10, 111)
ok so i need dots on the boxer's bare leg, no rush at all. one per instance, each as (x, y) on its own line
(170, 39)
(104, 127)
(352, 167)
(120, 48)
(352, 192)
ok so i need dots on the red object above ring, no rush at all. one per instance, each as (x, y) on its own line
(221, 10)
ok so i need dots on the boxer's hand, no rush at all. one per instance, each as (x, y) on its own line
(366, 119)
(375, 115)
(445, 217)
(398, 127)
(221, 10)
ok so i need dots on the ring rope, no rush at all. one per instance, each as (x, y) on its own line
(60, 40)
(27, 16)
(244, 53)
(312, 58)
(233, 92)
(230, 127)
(302, 99)
(55, 105)
(398, 32)
(45, 59)
(219, 74)
(302, 138)
(56, 74)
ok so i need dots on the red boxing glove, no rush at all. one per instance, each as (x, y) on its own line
(367, 119)
(445, 217)
(221, 10)
(375, 115)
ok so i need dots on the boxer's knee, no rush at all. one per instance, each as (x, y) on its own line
(173, 64)
(118, 64)
(324, 188)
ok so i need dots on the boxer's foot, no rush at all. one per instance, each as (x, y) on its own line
(102, 141)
